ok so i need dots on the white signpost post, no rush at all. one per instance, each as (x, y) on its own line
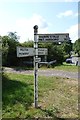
(36, 66)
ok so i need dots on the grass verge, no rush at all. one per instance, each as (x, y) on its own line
(64, 67)
(57, 97)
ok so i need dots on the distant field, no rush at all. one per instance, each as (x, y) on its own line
(58, 97)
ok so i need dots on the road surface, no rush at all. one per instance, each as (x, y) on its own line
(46, 72)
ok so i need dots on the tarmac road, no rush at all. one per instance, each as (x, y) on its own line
(47, 72)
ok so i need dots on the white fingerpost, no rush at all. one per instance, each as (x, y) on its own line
(35, 66)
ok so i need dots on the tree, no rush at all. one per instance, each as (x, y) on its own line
(5, 49)
(9, 44)
(76, 46)
(28, 44)
(66, 47)
(56, 53)
(13, 35)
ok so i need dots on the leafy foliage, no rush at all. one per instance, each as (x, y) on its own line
(76, 46)
(55, 51)
(27, 44)
(9, 44)
(5, 49)
(66, 47)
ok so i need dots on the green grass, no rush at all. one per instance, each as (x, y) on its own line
(64, 67)
(60, 93)
(57, 97)
(17, 93)
(67, 67)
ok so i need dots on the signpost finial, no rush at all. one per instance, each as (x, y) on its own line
(35, 29)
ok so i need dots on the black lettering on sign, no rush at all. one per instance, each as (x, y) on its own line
(23, 49)
(40, 53)
(40, 50)
(23, 53)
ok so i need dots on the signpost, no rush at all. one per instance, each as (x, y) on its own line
(38, 60)
(25, 52)
(42, 51)
(56, 37)
(36, 66)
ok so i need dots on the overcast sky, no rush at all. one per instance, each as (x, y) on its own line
(51, 17)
